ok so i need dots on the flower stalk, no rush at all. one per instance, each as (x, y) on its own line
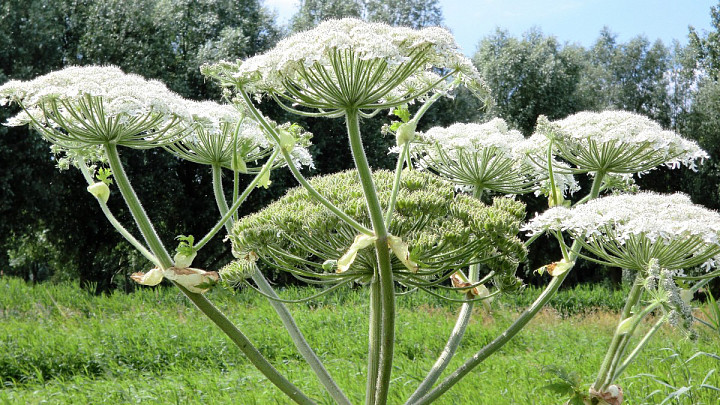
(200, 301)
(287, 319)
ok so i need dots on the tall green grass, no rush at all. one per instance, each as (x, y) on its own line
(60, 344)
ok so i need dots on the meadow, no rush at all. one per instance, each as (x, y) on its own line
(62, 345)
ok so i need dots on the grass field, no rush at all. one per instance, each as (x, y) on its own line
(59, 344)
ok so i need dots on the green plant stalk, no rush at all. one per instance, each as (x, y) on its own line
(516, 326)
(136, 209)
(298, 176)
(396, 183)
(456, 335)
(387, 288)
(605, 368)
(447, 353)
(246, 346)
(374, 333)
(624, 343)
(631, 357)
(200, 301)
(287, 319)
(233, 209)
(116, 224)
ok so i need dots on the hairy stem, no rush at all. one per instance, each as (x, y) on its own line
(202, 303)
(613, 353)
(516, 326)
(287, 319)
(136, 209)
(385, 276)
(374, 333)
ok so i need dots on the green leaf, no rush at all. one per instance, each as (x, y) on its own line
(103, 174)
(186, 245)
(402, 112)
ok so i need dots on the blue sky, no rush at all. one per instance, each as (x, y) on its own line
(578, 21)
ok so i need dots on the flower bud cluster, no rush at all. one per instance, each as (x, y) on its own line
(438, 229)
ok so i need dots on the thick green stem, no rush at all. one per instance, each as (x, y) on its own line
(287, 319)
(374, 333)
(613, 353)
(117, 225)
(136, 209)
(638, 348)
(516, 326)
(447, 354)
(246, 346)
(156, 246)
(298, 176)
(385, 276)
(220, 197)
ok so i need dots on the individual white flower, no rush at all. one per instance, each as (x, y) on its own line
(628, 230)
(349, 64)
(485, 156)
(78, 107)
(615, 142)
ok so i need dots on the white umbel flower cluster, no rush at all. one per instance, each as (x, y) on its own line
(487, 156)
(88, 106)
(124, 95)
(616, 142)
(639, 227)
(348, 61)
(659, 217)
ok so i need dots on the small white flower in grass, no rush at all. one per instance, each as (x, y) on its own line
(485, 156)
(630, 230)
(79, 107)
(351, 64)
(615, 142)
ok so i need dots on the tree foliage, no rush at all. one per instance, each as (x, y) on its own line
(166, 40)
(529, 76)
(408, 13)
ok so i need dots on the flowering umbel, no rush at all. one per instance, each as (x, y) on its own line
(629, 230)
(351, 64)
(80, 107)
(618, 142)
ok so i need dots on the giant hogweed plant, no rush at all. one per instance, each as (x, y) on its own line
(444, 222)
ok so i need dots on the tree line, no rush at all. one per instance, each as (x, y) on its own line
(52, 229)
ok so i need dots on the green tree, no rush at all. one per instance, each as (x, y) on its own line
(629, 76)
(530, 76)
(166, 40)
(409, 13)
